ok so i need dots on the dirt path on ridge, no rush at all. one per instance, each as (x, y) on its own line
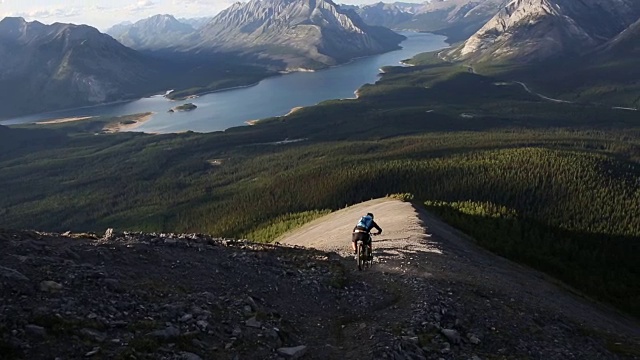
(455, 300)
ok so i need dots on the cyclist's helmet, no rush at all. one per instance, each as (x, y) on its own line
(370, 214)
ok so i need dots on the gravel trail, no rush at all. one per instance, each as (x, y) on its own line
(455, 300)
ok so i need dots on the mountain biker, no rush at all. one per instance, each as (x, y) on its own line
(362, 231)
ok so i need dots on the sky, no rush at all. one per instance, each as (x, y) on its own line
(105, 13)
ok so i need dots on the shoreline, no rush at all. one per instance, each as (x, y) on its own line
(197, 95)
(168, 93)
(128, 125)
(64, 120)
(52, 113)
(298, 108)
(293, 110)
(289, 72)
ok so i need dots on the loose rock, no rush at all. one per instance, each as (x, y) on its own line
(168, 333)
(50, 286)
(12, 274)
(451, 335)
(253, 323)
(35, 330)
(293, 352)
(189, 356)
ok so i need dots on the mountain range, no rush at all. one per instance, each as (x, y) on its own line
(46, 67)
(297, 33)
(50, 67)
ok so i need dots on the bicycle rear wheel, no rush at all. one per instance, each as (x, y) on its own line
(360, 256)
(369, 258)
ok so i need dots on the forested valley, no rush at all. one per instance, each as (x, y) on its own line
(555, 186)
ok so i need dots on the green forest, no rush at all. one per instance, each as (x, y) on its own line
(554, 186)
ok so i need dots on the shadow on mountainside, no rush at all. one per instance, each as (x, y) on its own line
(603, 266)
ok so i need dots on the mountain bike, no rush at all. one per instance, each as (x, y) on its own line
(364, 257)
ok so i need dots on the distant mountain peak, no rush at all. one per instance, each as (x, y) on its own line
(312, 31)
(155, 32)
(458, 19)
(63, 65)
(533, 30)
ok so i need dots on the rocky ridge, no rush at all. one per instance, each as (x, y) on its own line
(535, 30)
(301, 33)
(166, 296)
(626, 43)
(291, 34)
(192, 296)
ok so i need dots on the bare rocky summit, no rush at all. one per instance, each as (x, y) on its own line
(153, 33)
(189, 296)
(301, 33)
(534, 30)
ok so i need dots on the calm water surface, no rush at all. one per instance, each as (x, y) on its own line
(271, 97)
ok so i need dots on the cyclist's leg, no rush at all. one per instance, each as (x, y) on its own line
(354, 242)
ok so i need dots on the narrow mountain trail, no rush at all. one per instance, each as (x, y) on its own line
(447, 298)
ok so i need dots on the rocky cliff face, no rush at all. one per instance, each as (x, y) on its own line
(46, 67)
(301, 33)
(156, 32)
(533, 30)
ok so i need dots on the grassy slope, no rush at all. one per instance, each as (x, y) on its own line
(594, 79)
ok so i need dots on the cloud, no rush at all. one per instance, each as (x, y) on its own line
(58, 13)
(141, 5)
(201, 7)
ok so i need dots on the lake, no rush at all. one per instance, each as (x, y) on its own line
(273, 96)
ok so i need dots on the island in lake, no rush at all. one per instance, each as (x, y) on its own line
(184, 107)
